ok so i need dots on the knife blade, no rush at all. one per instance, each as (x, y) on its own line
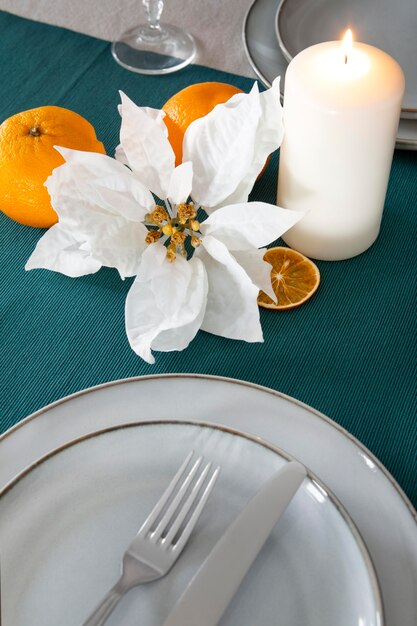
(215, 583)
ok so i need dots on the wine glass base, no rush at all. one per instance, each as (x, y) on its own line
(149, 50)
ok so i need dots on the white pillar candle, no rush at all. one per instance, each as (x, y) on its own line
(341, 114)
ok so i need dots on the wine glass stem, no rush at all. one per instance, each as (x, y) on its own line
(153, 10)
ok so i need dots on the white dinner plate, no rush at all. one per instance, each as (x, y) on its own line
(268, 61)
(384, 24)
(65, 523)
(380, 510)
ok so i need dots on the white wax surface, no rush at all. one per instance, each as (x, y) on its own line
(341, 122)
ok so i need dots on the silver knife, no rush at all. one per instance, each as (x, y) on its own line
(213, 586)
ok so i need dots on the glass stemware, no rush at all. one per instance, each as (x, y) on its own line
(154, 48)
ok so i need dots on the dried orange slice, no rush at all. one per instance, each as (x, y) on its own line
(294, 278)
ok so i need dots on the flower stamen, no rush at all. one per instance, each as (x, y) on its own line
(152, 236)
(196, 241)
(159, 215)
(167, 229)
(171, 252)
(186, 212)
(177, 229)
(178, 238)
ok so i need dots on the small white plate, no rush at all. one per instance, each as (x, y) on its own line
(65, 523)
(379, 23)
(268, 62)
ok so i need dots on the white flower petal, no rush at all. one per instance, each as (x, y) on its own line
(232, 310)
(170, 294)
(251, 224)
(230, 145)
(104, 209)
(195, 300)
(120, 156)
(86, 173)
(144, 140)
(258, 270)
(149, 325)
(156, 114)
(152, 262)
(126, 197)
(180, 183)
(118, 243)
(143, 320)
(221, 147)
(91, 162)
(269, 135)
(60, 251)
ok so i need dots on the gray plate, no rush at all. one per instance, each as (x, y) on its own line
(267, 60)
(383, 514)
(66, 521)
(387, 25)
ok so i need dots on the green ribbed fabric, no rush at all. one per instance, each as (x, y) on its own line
(349, 352)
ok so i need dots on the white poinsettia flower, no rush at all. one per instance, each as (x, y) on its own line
(173, 296)
(188, 269)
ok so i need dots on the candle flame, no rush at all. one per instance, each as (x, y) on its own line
(347, 45)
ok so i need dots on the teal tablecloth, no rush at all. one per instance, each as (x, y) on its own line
(349, 352)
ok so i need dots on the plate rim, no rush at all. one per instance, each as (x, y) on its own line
(285, 52)
(290, 399)
(375, 586)
(264, 80)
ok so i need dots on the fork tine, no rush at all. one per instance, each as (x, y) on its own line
(175, 502)
(147, 524)
(147, 558)
(183, 510)
(177, 547)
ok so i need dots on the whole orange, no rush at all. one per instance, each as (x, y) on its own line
(27, 158)
(188, 105)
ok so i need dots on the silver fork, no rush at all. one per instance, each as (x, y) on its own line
(163, 535)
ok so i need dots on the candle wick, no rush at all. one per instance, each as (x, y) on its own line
(346, 59)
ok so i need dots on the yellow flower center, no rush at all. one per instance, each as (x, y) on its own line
(176, 229)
